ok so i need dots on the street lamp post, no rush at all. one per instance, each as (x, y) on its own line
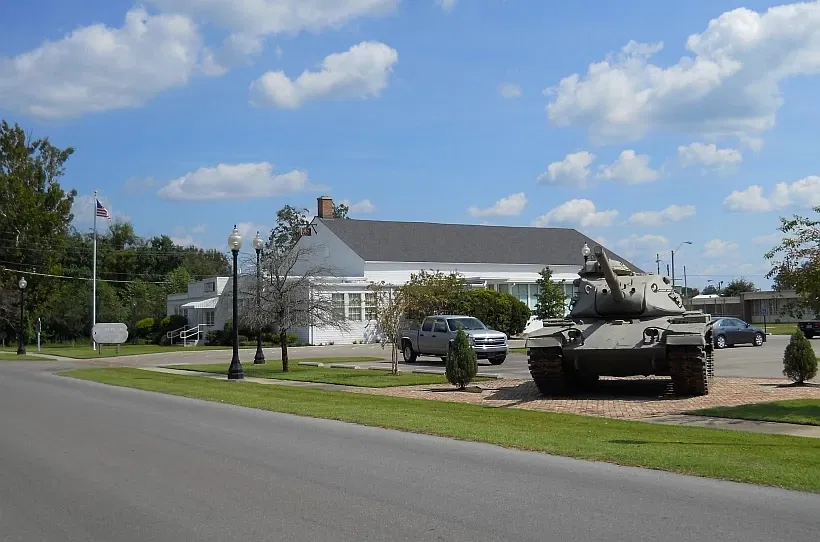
(585, 252)
(235, 370)
(673, 261)
(21, 348)
(258, 244)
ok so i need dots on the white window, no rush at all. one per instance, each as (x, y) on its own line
(338, 306)
(209, 317)
(210, 286)
(370, 308)
(354, 307)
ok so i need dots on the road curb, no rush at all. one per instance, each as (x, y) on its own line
(311, 364)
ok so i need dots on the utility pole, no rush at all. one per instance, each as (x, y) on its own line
(685, 287)
(667, 269)
(658, 261)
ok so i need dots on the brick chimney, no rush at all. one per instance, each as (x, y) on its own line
(325, 206)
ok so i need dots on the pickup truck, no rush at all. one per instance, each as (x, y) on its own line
(433, 337)
(810, 328)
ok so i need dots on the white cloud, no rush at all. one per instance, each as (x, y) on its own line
(185, 241)
(717, 248)
(572, 170)
(200, 228)
(768, 239)
(804, 193)
(729, 85)
(639, 243)
(580, 212)
(509, 90)
(360, 72)
(630, 167)
(708, 155)
(97, 68)
(673, 213)
(447, 5)
(83, 211)
(236, 181)
(248, 231)
(136, 185)
(360, 207)
(512, 205)
(269, 17)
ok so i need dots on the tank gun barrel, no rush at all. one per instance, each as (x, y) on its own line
(609, 274)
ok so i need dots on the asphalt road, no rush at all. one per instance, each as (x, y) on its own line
(83, 461)
(765, 361)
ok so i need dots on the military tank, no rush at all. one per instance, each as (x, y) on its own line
(622, 323)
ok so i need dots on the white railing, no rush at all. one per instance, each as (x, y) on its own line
(175, 333)
(192, 335)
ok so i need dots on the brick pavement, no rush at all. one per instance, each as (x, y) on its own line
(614, 398)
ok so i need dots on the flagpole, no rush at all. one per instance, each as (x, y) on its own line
(94, 279)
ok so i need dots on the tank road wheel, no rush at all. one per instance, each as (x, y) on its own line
(690, 371)
(547, 371)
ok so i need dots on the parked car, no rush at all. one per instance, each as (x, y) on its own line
(810, 328)
(433, 338)
(732, 331)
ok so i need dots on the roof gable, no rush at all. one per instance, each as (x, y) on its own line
(393, 241)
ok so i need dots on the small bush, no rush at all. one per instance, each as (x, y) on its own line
(462, 364)
(799, 359)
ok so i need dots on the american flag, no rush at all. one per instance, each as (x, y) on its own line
(102, 211)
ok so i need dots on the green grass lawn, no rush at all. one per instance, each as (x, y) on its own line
(779, 329)
(347, 377)
(774, 460)
(85, 351)
(12, 356)
(802, 411)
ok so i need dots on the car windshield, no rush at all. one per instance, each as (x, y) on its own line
(466, 323)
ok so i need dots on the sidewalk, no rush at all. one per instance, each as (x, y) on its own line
(753, 426)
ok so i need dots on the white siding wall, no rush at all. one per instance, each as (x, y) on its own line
(330, 250)
(399, 272)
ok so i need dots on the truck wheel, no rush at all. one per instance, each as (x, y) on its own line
(407, 352)
(498, 360)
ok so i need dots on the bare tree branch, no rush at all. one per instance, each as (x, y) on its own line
(286, 299)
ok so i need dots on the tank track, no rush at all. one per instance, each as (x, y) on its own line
(550, 375)
(547, 371)
(692, 370)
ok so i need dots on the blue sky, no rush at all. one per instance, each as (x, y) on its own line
(643, 124)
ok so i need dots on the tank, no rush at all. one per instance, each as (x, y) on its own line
(622, 323)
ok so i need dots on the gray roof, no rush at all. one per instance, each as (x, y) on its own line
(391, 241)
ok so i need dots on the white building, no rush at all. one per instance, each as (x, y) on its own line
(504, 258)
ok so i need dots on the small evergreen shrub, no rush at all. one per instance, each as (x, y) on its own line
(462, 364)
(799, 359)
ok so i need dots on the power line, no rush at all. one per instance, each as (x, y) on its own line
(78, 278)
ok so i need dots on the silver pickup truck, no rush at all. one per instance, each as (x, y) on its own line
(433, 337)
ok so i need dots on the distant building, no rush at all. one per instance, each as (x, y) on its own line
(503, 258)
(750, 306)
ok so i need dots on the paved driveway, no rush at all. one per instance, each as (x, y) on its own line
(741, 361)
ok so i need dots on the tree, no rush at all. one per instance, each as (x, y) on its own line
(796, 262)
(390, 310)
(462, 363)
(290, 222)
(799, 359)
(501, 311)
(710, 290)
(429, 293)
(737, 287)
(291, 299)
(340, 211)
(550, 300)
(35, 211)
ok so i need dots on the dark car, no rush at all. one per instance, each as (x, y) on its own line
(732, 331)
(810, 328)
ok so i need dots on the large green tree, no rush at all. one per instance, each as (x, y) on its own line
(737, 287)
(796, 262)
(35, 213)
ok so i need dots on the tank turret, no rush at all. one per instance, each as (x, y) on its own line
(609, 274)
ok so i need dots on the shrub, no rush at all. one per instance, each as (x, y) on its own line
(799, 359)
(501, 311)
(144, 327)
(462, 364)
